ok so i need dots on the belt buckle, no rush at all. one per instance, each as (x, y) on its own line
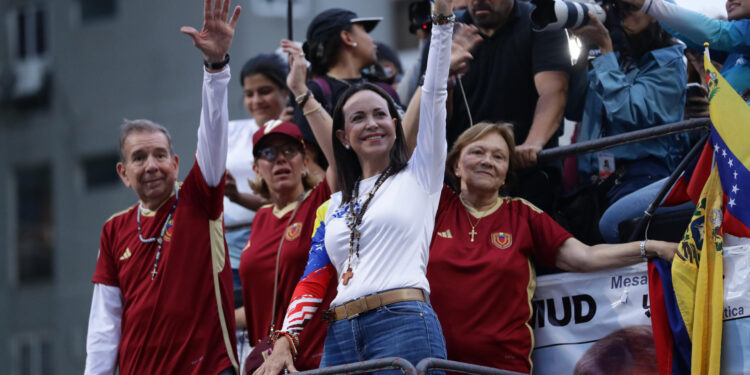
(328, 316)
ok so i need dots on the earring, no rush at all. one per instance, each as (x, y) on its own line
(304, 174)
(346, 147)
(354, 44)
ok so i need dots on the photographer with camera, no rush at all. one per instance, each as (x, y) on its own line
(732, 36)
(639, 86)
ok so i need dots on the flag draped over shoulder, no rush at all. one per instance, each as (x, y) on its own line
(687, 297)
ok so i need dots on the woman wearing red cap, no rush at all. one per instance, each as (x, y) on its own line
(373, 236)
(282, 178)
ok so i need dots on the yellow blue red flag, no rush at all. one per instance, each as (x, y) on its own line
(687, 296)
(697, 272)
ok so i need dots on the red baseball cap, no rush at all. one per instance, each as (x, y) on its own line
(276, 127)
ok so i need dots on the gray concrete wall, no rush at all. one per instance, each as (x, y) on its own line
(135, 65)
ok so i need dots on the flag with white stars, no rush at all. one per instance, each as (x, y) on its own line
(687, 330)
(730, 136)
(729, 146)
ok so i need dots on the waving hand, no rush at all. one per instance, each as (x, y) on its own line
(216, 36)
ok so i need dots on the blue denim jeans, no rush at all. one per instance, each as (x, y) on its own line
(631, 206)
(409, 330)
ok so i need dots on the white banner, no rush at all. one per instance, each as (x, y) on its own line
(572, 311)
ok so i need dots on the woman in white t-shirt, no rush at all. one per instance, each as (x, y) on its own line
(373, 235)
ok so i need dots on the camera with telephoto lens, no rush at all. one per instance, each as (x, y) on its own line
(420, 16)
(560, 14)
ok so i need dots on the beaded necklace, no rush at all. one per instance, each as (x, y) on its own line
(159, 240)
(354, 219)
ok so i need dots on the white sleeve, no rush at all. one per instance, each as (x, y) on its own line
(428, 160)
(212, 148)
(103, 338)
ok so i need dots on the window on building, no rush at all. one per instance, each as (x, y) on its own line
(100, 170)
(94, 10)
(31, 32)
(34, 224)
(31, 354)
(28, 42)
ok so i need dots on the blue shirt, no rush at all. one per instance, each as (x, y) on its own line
(635, 95)
(729, 36)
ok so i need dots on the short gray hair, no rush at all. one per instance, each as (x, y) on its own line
(141, 125)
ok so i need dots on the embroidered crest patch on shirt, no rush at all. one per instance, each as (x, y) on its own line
(501, 240)
(293, 231)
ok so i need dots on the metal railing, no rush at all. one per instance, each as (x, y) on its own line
(621, 139)
(466, 368)
(366, 366)
(396, 363)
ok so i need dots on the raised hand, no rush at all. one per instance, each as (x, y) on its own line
(595, 32)
(215, 37)
(287, 114)
(444, 7)
(465, 38)
(297, 67)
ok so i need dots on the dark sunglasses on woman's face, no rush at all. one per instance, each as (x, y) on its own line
(270, 153)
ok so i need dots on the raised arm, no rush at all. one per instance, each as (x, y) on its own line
(729, 36)
(320, 121)
(214, 41)
(428, 160)
(465, 38)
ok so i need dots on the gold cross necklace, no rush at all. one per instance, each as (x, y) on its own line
(473, 231)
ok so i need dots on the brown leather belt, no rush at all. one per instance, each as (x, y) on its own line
(364, 304)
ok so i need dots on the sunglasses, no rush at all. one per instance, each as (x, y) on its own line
(270, 153)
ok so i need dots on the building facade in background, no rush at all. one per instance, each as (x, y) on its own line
(70, 72)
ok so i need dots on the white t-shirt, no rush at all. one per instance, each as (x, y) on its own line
(397, 226)
(240, 165)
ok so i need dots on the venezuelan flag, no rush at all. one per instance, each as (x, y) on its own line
(687, 297)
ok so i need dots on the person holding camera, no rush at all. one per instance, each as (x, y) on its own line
(641, 85)
(732, 36)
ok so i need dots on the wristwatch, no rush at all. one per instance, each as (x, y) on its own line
(217, 65)
(442, 19)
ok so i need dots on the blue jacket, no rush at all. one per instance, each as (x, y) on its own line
(729, 36)
(646, 93)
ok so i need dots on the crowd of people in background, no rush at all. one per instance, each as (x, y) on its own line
(365, 202)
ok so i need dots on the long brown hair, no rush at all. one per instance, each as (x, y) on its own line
(347, 164)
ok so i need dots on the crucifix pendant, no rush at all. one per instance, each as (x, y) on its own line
(472, 233)
(347, 275)
(153, 273)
